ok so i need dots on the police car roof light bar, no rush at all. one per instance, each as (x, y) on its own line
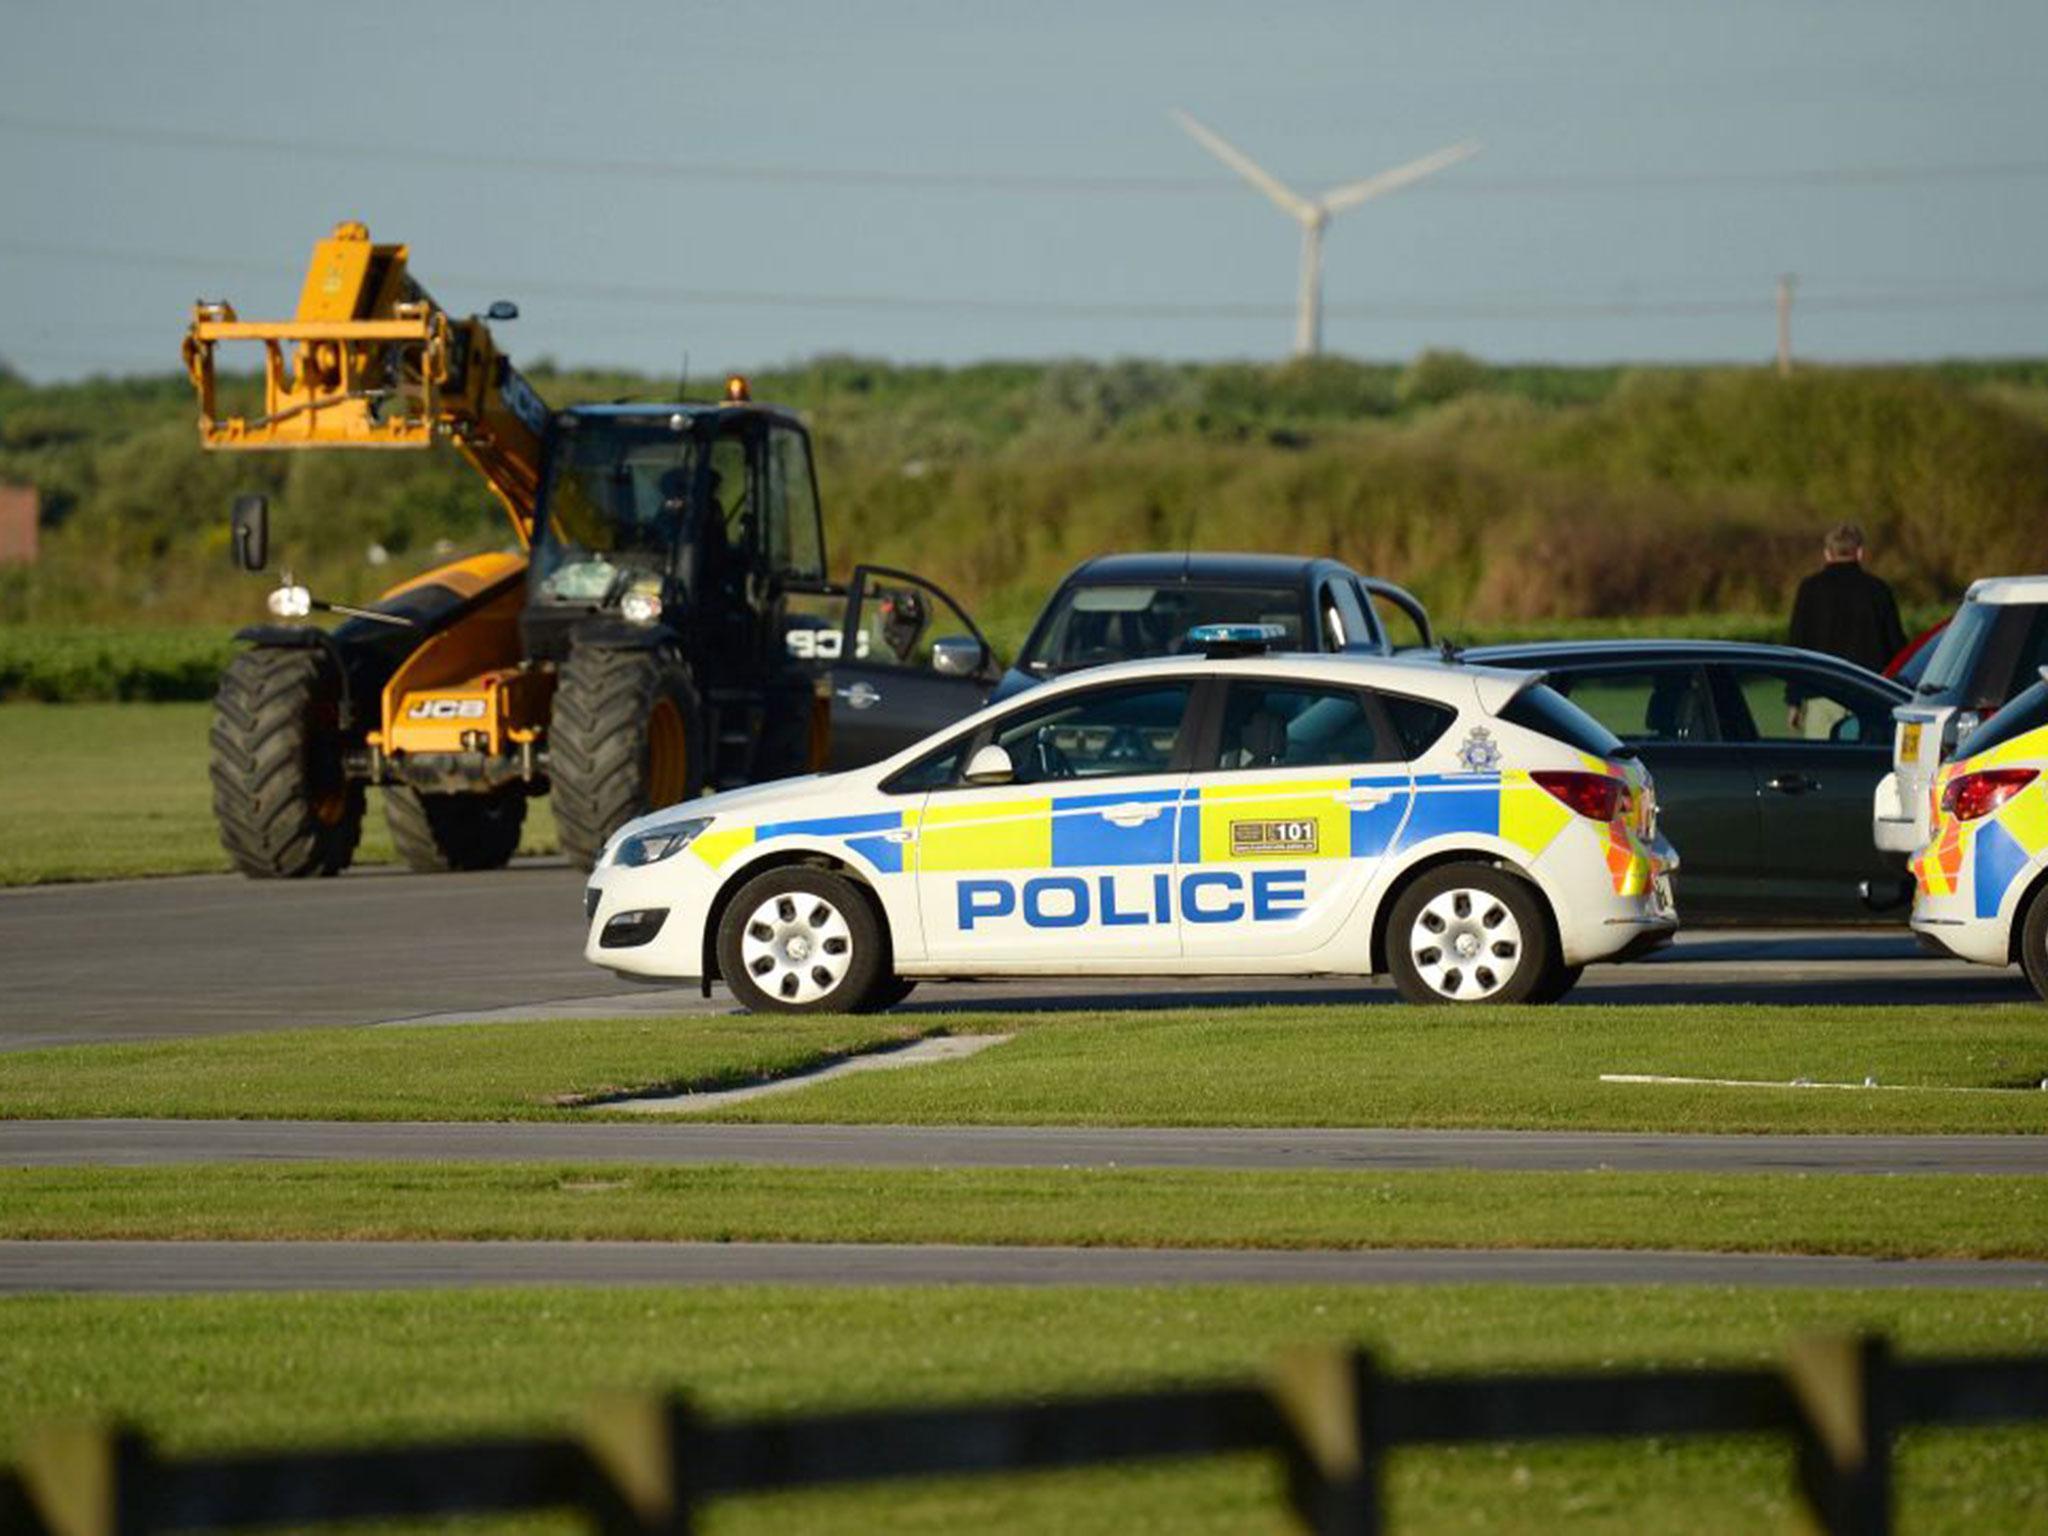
(1236, 639)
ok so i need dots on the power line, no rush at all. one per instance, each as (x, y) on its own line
(386, 156)
(1506, 307)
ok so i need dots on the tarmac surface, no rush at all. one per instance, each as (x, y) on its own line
(149, 1268)
(144, 1143)
(214, 954)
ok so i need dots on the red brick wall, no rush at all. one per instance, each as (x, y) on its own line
(17, 525)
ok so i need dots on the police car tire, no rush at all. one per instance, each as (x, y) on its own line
(2034, 942)
(1561, 980)
(438, 833)
(1473, 900)
(822, 908)
(894, 990)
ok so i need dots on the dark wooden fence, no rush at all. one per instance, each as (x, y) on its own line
(644, 1464)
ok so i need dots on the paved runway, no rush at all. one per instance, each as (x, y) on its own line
(137, 1268)
(154, 959)
(140, 1143)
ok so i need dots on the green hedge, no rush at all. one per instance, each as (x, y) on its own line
(71, 664)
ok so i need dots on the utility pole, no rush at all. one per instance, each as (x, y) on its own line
(1786, 284)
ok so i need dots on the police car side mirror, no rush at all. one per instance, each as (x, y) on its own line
(991, 765)
(958, 656)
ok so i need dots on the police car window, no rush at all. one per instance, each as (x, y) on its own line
(1648, 704)
(1549, 713)
(2027, 712)
(1105, 733)
(1416, 721)
(1281, 724)
(1793, 704)
(933, 771)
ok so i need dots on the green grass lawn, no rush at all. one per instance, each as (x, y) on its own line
(1320, 1064)
(1905, 1216)
(100, 791)
(212, 1373)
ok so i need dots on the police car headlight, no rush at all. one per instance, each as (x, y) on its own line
(658, 843)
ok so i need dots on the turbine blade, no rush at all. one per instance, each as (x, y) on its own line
(1351, 194)
(1291, 202)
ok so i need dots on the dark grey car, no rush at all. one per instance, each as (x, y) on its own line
(1765, 759)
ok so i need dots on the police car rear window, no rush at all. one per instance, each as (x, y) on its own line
(2027, 712)
(1550, 713)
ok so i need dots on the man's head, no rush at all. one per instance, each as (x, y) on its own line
(1844, 543)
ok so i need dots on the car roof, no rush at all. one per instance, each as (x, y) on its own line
(1164, 566)
(1397, 674)
(2008, 589)
(1540, 653)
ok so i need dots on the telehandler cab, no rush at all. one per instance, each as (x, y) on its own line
(665, 623)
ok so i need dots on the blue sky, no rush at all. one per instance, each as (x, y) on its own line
(752, 184)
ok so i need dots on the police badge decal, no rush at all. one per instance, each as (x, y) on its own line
(1479, 752)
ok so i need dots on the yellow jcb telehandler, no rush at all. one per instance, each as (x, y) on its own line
(639, 645)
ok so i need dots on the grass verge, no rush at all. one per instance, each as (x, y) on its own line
(474, 1072)
(103, 791)
(1907, 1216)
(214, 1373)
(1318, 1064)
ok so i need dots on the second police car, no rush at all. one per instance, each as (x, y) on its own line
(1464, 829)
(1981, 881)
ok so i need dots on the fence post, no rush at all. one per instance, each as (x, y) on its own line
(639, 1443)
(1845, 1431)
(86, 1479)
(1329, 1399)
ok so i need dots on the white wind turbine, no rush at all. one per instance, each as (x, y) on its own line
(1313, 213)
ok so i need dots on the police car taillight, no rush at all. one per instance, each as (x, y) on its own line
(1593, 795)
(1979, 794)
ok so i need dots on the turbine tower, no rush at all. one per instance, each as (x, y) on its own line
(1313, 213)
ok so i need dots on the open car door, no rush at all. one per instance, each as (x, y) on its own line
(909, 661)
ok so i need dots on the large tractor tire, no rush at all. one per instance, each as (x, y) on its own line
(625, 739)
(284, 802)
(438, 833)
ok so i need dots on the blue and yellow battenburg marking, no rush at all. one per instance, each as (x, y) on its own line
(1340, 817)
(1999, 848)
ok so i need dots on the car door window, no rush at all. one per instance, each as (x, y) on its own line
(1282, 724)
(896, 619)
(1807, 705)
(1643, 704)
(1102, 734)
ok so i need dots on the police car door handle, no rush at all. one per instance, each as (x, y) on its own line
(1792, 783)
(1365, 798)
(1130, 815)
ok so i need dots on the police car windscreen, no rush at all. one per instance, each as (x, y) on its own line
(1092, 626)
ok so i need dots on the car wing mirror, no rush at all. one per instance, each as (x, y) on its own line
(958, 656)
(249, 532)
(991, 765)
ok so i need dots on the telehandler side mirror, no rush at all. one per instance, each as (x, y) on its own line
(502, 309)
(249, 528)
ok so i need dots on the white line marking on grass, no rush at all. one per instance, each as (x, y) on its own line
(1869, 1084)
(917, 1053)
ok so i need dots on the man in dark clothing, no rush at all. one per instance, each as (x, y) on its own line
(1845, 611)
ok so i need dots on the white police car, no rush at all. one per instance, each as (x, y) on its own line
(1981, 881)
(1464, 828)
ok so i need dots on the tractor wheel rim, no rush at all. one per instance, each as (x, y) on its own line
(797, 947)
(1466, 944)
(667, 755)
(330, 804)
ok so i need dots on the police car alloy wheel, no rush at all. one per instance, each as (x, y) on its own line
(802, 941)
(1469, 933)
